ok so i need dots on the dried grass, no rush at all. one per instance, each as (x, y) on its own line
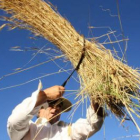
(104, 78)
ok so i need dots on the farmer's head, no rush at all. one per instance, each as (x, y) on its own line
(55, 108)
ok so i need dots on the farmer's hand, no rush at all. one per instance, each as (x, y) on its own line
(51, 93)
(99, 110)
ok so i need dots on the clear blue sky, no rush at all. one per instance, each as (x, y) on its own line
(81, 14)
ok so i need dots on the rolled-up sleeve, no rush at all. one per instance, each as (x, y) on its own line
(19, 120)
(84, 128)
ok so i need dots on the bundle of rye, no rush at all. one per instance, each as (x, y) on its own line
(105, 79)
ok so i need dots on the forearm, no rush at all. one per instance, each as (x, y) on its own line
(18, 122)
(18, 125)
(84, 128)
(94, 117)
(41, 98)
(22, 114)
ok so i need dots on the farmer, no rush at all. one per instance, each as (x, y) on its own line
(47, 105)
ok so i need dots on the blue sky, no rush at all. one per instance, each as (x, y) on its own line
(81, 14)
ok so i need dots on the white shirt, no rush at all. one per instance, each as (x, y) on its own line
(21, 127)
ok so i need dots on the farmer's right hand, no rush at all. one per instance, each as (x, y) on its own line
(51, 93)
(54, 92)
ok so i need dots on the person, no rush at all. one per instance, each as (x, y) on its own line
(48, 105)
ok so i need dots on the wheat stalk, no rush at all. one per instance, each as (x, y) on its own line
(104, 78)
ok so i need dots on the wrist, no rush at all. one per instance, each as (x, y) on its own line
(98, 109)
(42, 98)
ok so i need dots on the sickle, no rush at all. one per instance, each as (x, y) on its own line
(78, 65)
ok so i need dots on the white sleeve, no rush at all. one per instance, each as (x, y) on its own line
(84, 128)
(19, 120)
